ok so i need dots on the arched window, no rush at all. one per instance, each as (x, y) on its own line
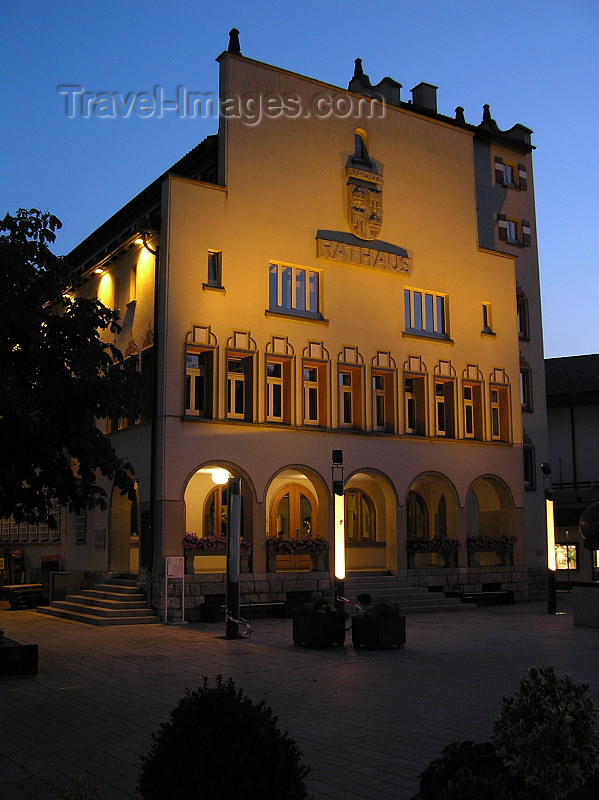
(361, 145)
(216, 511)
(360, 520)
(417, 517)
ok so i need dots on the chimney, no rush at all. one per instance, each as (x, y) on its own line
(425, 96)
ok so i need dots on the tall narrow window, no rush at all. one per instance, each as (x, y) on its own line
(315, 394)
(414, 405)
(425, 312)
(239, 387)
(350, 398)
(526, 387)
(198, 382)
(278, 390)
(472, 406)
(214, 276)
(444, 409)
(487, 318)
(383, 401)
(345, 399)
(499, 398)
(522, 315)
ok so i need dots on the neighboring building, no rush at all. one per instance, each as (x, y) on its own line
(573, 422)
(364, 282)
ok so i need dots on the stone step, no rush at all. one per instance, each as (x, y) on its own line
(91, 619)
(116, 603)
(387, 588)
(102, 594)
(107, 602)
(113, 588)
(98, 611)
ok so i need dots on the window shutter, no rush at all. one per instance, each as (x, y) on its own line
(502, 227)
(499, 174)
(526, 241)
(523, 177)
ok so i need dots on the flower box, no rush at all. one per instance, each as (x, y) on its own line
(378, 633)
(318, 629)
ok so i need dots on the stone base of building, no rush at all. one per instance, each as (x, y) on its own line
(468, 580)
(206, 594)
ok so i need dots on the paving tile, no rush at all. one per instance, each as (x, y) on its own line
(367, 722)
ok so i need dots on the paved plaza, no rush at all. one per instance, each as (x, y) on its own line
(367, 722)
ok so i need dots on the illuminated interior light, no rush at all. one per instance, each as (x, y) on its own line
(99, 270)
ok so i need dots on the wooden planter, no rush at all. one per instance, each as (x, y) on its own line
(378, 633)
(318, 630)
(17, 659)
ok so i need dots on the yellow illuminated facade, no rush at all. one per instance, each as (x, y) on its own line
(319, 282)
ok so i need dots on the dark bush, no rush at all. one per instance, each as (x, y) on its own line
(546, 734)
(464, 771)
(219, 744)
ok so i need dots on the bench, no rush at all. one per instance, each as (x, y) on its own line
(503, 597)
(23, 595)
(279, 605)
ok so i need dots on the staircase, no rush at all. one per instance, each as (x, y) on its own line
(119, 602)
(389, 589)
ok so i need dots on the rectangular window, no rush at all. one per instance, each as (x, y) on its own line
(80, 527)
(444, 409)
(499, 413)
(425, 312)
(315, 394)
(522, 316)
(526, 389)
(278, 390)
(487, 318)
(566, 555)
(198, 382)
(350, 398)
(383, 402)
(214, 275)
(240, 386)
(293, 290)
(473, 416)
(528, 452)
(414, 405)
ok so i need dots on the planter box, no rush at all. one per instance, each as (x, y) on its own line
(378, 633)
(17, 659)
(318, 630)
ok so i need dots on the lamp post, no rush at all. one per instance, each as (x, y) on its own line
(551, 565)
(222, 477)
(339, 526)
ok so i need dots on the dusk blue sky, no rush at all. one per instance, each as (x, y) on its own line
(534, 61)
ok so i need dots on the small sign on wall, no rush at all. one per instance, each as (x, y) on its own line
(175, 566)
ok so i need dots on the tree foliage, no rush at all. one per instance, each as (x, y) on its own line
(58, 375)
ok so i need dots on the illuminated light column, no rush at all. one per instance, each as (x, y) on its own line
(339, 527)
(222, 477)
(551, 564)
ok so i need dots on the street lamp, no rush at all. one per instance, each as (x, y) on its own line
(222, 477)
(551, 565)
(339, 528)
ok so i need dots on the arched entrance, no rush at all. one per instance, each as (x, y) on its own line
(370, 522)
(294, 511)
(432, 511)
(489, 508)
(123, 553)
